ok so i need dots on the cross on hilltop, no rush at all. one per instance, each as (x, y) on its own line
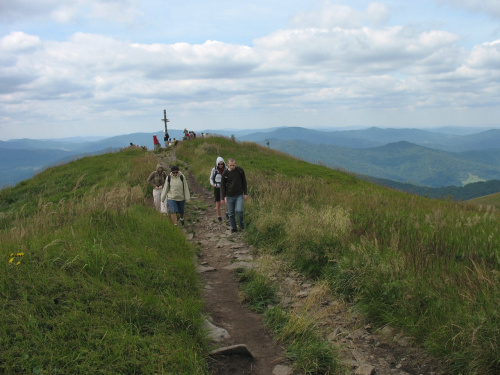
(165, 119)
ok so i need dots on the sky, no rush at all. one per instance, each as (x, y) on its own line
(109, 67)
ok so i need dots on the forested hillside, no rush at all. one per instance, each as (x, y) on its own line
(402, 162)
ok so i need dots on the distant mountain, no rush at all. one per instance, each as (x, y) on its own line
(372, 137)
(312, 136)
(422, 157)
(402, 162)
(84, 146)
(18, 165)
(458, 193)
(20, 159)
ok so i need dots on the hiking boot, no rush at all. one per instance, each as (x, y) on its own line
(220, 219)
(182, 222)
(227, 215)
(234, 230)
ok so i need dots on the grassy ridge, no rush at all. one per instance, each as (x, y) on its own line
(429, 267)
(487, 200)
(92, 279)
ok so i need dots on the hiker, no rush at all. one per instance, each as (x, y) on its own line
(157, 179)
(215, 180)
(234, 192)
(177, 191)
(165, 139)
(155, 142)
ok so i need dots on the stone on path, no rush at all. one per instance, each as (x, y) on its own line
(223, 242)
(282, 370)
(216, 334)
(240, 349)
(236, 265)
(202, 269)
(365, 370)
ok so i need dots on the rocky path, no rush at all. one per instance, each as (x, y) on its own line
(247, 347)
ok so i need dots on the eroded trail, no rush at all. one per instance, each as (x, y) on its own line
(363, 350)
(221, 252)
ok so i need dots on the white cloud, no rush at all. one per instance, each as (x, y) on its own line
(18, 41)
(489, 7)
(333, 60)
(64, 11)
(486, 56)
(334, 15)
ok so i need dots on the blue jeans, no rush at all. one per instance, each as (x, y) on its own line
(235, 205)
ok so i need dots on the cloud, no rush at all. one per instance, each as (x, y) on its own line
(489, 7)
(331, 60)
(18, 42)
(63, 11)
(333, 15)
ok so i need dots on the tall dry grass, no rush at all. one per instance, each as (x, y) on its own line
(426, 266)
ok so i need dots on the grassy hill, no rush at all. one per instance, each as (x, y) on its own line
(92, 279)
(428, 267)
(488, 200)
(457, 193)
(17, 165)
(89, 281)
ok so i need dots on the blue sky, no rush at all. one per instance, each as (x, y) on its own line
(108, 67)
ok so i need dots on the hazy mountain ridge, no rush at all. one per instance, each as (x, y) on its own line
(405, 156)
(402, 162)
(373, 137)
(20, 159)
(459, 193)
(18, 165)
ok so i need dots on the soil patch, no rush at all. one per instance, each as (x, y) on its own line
(220, 250)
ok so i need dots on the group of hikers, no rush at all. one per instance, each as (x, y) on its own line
(171, 191)
(188, 135)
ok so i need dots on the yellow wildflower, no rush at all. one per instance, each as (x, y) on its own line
(11, 260)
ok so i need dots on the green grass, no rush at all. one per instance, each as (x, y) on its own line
(257, 290)
(309, 352)
(488, 200)
(428, 267)
(99, 282)
(93, 280)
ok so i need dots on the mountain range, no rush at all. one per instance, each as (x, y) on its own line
(401, 161)
(410, 158)
(374, 137)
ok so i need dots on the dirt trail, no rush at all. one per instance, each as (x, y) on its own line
(363, 351)
(221, 249)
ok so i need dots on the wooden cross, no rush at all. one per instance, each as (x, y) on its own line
(165, 119)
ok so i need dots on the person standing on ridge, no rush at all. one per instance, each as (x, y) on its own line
(234, 192)
(177, 191)
(215, 181)
(155, 142)
(157, 179)
(165, 139)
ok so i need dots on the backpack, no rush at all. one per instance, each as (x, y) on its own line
(182, 180)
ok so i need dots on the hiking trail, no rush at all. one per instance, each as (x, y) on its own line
(247, 346)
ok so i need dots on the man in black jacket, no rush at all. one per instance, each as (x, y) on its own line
(234, 192)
